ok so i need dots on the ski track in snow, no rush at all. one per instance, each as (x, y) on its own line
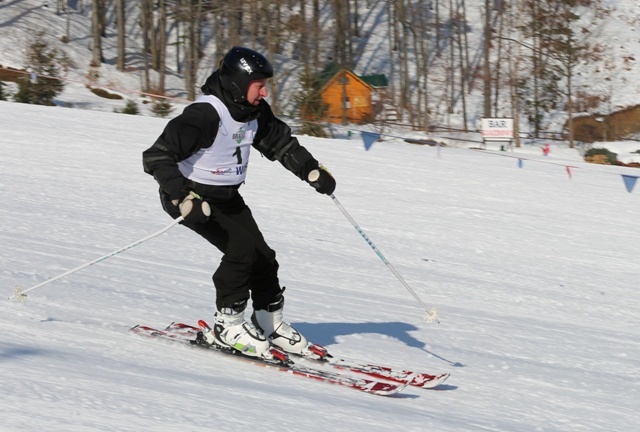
(535, 276)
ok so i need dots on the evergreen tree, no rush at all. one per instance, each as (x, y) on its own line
(130, 108)
(161, 107)
(44, 63)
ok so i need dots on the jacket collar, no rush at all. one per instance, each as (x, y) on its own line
(241, 112)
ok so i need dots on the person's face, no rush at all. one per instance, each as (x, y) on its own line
(257, 91)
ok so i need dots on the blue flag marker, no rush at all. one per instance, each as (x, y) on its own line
(629, 181)
(519, 163)
(369, 138)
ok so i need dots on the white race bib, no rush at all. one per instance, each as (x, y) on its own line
(225, 162)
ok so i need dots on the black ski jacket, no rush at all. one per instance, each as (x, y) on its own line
(196, 128)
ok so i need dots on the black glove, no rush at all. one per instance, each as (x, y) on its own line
(322, 180)
(193, 209)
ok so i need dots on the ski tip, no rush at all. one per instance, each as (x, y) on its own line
(203, 324)
(380, 388)
(431, 383)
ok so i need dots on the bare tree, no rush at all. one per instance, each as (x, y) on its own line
(235, 20)
(422, 61)
(272, 39)
(161, 52)
(189, 15)
(96, 34)
(342, 40)
(315, 26)
(120, 24)
(146, 22)
(461, 25)
(403, 54)
(486, 50)
(451, 69)
(192, 57)
(558, 45)
(438, 27)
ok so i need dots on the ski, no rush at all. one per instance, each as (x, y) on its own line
(281, 362)
(415, 379)
(319, 354)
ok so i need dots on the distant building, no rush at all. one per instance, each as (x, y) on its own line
(356, 99)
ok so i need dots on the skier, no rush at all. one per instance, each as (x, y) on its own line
(200, 160)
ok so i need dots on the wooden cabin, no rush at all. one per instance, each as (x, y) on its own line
(362, 95)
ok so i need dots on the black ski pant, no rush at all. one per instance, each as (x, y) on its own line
(248, 268)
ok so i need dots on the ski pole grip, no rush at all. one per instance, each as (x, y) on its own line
(314, 175)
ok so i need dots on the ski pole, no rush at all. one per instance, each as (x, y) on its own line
(431, 315)
(20, 294)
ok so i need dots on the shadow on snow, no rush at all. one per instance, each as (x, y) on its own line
(326, 333)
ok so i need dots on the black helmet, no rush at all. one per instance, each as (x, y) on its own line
(239, 67)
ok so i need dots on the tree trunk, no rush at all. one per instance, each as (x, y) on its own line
(464, 65)
(356, 27)
(450, 75)
(96, 45)
(316, 33)
(271, 12)
(342, 37)
(234, 14)
(146, 23)
(422, 59)
(153, 36)
(437, 29)
(102, 9)
(405, 82)
(193, 47)
(162, 45)
(303, 45)
(120, 24)
(570, 65)
(486, 70)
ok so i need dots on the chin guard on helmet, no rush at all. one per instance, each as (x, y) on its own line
(239, 67)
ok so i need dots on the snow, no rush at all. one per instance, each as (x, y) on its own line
(535, 273)
(535, 276)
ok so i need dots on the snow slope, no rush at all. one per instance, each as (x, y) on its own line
(535, 275)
